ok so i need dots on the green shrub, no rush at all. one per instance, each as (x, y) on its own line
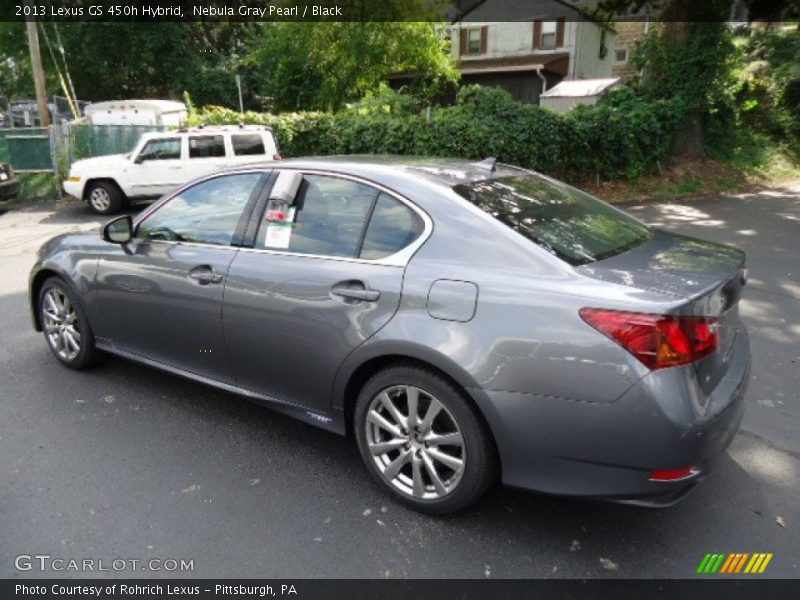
(620, 137)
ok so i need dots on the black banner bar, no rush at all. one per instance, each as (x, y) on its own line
(732, 588)
(367, 10)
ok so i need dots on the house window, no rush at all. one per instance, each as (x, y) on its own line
(548, 40)
(474, 41)
(622, 55)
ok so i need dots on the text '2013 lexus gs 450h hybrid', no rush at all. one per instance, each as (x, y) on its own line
(466, 323)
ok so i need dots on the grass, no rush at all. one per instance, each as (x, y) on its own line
(749, 166)
(35, 186)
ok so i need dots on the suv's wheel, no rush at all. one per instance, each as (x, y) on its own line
(423, 441)
(104, 198)
(65, 325)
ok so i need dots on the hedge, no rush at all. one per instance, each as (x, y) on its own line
(621, 137)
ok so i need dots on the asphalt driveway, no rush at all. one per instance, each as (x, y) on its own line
(127, 462)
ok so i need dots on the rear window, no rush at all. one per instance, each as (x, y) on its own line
(567, 222)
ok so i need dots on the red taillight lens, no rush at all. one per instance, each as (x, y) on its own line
(673, 475)
(658, 341)
(277, 157)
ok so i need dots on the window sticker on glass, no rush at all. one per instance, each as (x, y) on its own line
(280, 220)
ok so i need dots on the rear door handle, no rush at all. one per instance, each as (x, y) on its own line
(205, 274)
(362, 294)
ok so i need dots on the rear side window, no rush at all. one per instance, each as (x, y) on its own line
(328, 219)
(206, 146)
(246, 144)
(571, 224)
(393, 226)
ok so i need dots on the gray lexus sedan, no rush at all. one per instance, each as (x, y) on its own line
(466, 322)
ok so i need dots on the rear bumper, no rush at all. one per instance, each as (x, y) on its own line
(9, 188)
(567, 447)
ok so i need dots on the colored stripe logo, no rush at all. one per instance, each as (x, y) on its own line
(738, 562)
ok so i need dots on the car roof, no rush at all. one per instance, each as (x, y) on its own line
(384, 168)
(209, 129)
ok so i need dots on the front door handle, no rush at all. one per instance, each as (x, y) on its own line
(205, 274)
(361, 293)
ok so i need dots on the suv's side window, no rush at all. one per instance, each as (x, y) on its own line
(245, 144)
(206, 146)
(166, 149)
(392, 227)
(206, 213)
(332, 218)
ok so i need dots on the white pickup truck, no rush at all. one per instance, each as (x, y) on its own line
(162, 161)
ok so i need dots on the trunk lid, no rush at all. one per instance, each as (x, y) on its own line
(709, 276)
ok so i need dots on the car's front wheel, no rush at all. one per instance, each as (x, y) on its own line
(65, 325)
(104, 198)
(423, 441)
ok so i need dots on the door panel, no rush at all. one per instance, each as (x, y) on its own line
(162, 294)
(161, 169)
(287, 328)
(163, 300)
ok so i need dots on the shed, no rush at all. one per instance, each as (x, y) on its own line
(568, 94)
(166, 113)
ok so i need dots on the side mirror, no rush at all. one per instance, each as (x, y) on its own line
(119, 231)
(139, 159)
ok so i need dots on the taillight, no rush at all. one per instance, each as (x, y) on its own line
(276, 157)
(658, 341)
(674, 474)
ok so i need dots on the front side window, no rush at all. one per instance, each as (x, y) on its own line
(206, 213)
(327, 219)
(206, 146)
(166, 149)
(247, 144)
(392, 227)
(567, 222)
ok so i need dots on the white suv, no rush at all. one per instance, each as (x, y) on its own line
(163, 161)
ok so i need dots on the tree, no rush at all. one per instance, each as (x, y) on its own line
(323, 65)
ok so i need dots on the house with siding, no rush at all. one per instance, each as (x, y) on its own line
(528, 46)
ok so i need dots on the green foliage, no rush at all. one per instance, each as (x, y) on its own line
(324, 65)
(620, 137)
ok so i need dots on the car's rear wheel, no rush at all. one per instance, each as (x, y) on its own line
(65, 325)
(104, 198)
(423, 441)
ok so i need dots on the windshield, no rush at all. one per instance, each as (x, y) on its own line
(571, 224)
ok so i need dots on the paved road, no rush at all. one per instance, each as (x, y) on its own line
(127, 462)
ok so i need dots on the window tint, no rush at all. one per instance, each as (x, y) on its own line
(206, 146)
(569, 223)
(393, 226)
(207, 212)
(329, 218)
(167, 149)
(245, 144)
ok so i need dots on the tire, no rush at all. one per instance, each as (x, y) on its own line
(66, 328)
(104, 198)
(412, 482)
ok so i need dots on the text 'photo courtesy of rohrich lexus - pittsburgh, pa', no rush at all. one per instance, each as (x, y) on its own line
(467, 323)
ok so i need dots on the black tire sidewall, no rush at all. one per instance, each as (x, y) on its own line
(116, 201)
(480, 467)
(87, 352)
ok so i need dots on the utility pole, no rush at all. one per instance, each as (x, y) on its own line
(38, 71)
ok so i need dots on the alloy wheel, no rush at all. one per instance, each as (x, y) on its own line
(61, 324)
(100, 199)
(415, 442)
